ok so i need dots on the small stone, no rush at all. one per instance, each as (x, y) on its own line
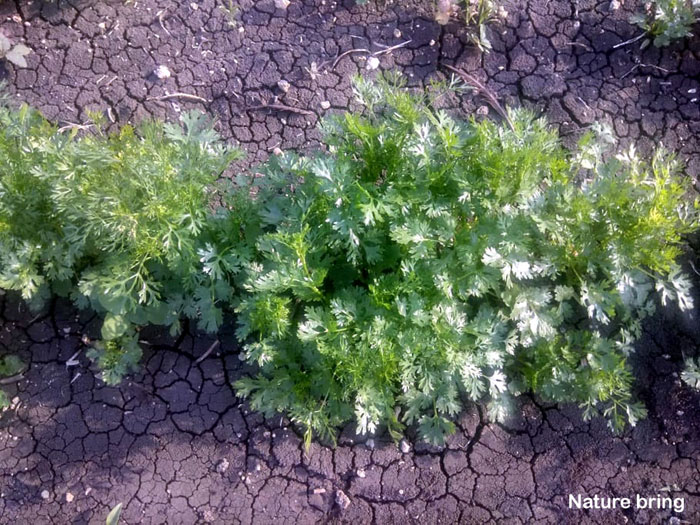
(284, 85)
(401, 491)
(88, 490)
(405, 446)
(45, 494)
(277, 151)
(194, 6)
(361, 473)
(319, 490)
(325, 104)
(397, 33)
(162, 72)
(281, 4)
(69, 497)
(482, 111)
(372, 63)
(222, 466)
(680, 413)
(341, 499)
(614, 5)
(370, 444)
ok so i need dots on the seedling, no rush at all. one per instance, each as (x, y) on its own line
(15, 54)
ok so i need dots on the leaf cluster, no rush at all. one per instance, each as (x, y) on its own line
(668, 20)
(419, 262)
(422, 261)
(122, 223)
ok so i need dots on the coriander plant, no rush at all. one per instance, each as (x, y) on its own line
(122, 223)
(668, 20)
(423, 261)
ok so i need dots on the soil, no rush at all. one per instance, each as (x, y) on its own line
(173, 443)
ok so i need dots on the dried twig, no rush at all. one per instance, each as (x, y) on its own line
(73, 125)
(634, 68)
(486, 92)
(12, 379)
(345, 53)
(160, 14)
(206, 354)
(390, 48)
(383, 51)
(578, 44)
(281, 107)
(630, 41)
(186, 96)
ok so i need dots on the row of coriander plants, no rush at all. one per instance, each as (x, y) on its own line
(418, 263)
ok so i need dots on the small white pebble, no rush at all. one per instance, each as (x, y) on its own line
(361, 473)
(69, 497)
(281, 4)
(372, 63)
(194, 6)
(283, 85)
(370, 443)
(45, 494)
(397, 33)
(162, 72)
(325, 104)
(405, 446)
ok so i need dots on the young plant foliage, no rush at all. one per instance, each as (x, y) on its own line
(121, 223)
(423, 261)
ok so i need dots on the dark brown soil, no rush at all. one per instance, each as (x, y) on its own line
(173, 443)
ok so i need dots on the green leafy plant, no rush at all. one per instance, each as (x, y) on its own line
(691, 373)
(10, 365)
(121, 223)
(114, 515)
(422, 261)
(477, 15)
(14, 54)
(230, 9)
(668, 20)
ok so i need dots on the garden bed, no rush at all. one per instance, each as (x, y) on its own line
(173, 443)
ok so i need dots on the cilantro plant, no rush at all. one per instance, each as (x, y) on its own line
(668, 20)
(422, 261)
(122, 223)
(691, 373)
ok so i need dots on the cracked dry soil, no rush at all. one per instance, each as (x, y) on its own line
(173, 443)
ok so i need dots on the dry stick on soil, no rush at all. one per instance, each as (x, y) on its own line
(281, 107)
(644, 65)
(490, 96)
(12, 379)
(630, 41)
(387, 49)
(345, 53)
(186, 96)
(73, 125)
(160, 14)
(206, 354)
(390, 48)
